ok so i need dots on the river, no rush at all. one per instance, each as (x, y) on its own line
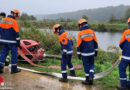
(105, 39)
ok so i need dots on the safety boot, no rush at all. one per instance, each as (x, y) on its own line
(6, 63)
(63, 80)
(72, 74)
(121, 88)
(90, 81)
(85, 82)
(1, 70)
(15, 71)
(128, 87)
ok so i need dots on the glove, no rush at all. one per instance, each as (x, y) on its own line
(79, 56)
(18, 44)
(96, 52)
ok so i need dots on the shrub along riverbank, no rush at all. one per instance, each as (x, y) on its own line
(73, 25)
(50, 42)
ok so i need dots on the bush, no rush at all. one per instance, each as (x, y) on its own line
(47, 40)
(102, 28)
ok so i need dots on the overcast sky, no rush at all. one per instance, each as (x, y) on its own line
(36, 7)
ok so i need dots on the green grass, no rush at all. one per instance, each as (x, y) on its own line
(73, 25)
(107, 82)
(50, 62)
(50, 43)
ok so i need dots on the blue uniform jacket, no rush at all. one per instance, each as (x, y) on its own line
(125, 44)
(9, 31)
(66, 43)
(87, 43)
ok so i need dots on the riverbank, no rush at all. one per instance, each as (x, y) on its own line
(73, 25)
(50, 42)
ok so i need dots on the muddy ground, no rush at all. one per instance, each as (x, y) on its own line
(30, 81)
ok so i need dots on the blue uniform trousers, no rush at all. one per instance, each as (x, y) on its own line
(5, 51)
(122, 72)
(66, 60)
(88, 64)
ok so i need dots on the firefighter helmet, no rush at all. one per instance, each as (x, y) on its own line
(16, 12)
(55, 27)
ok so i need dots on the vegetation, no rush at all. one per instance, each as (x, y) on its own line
(50, 42)
(25, 16)
(73, 25)
(114, 24)
(108, 19)
(99, 14)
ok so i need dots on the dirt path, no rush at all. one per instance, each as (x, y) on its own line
(31, 81)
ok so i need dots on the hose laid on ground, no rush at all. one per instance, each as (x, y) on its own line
(97, 76)
(27, 59)
(53, 56)
(58, 75)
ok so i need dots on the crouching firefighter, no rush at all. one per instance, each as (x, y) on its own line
(67, 50)
(10, 40)
(87, 48)
(125, 61)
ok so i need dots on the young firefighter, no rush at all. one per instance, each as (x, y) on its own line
(2, 15)
(67, 50)
(87, 47)
(10, 40)
(125, 61)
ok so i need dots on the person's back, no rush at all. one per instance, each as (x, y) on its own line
(87, 37)
(10, 40)
(66, 42)
(9, 30)
(125, 60)
(67, 51)
(87, 49)
(2, 16)
(125, 44)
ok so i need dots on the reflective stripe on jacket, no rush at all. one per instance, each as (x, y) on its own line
(9, 30)
(87, 42)
(125, 44)
(66, 43)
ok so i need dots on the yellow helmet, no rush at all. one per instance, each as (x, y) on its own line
(128, 20)
(82, 21)
(54, 29)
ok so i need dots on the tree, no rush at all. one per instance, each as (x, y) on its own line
(32, 17)
(127, 14)
(112, 18)
(102, 28)
(25, 16)
(62, 19)
(85, 17)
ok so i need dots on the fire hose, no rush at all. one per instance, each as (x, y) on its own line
(97, 76)
(58, 75)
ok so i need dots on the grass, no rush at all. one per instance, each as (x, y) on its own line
(73, 25)
(108, 82)
(50, 62)
(50, 42)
